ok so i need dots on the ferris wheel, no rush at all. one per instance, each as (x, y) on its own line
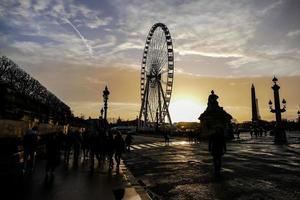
(157, 74)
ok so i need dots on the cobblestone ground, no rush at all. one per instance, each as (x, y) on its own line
(252, 169)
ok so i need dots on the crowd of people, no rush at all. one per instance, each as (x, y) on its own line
(84, 145)
(103, 147)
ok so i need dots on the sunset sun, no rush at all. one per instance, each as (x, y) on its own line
(183, 110)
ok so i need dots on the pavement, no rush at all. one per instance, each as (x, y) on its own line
(253, 168)
(73, 183)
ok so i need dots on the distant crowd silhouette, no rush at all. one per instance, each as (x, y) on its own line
(107, 146)
(103, 146)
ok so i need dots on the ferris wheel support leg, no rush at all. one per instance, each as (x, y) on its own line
(165, 105)
(144, 105)
(159, 104)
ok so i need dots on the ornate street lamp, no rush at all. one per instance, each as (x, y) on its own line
(280, 136)
(105, 99)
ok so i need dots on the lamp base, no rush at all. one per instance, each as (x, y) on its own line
(280, 137)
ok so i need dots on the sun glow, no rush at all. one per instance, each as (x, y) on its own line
(185, 110)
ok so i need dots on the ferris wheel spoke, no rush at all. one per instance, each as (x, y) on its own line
(161, 51)
(164, 71)
(150, 111)
(153, 105)
(161, 48)
(159, 42)
(163, 62)
(153, 54)
(149, 56)
(163, 59)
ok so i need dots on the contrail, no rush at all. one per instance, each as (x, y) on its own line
(81, 37)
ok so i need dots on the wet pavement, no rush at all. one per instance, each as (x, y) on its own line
(73, 184)
(253, 168)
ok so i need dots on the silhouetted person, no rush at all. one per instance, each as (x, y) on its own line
(102, 151)
(85, 144)
(94, 148)
(68, 146)
(128, 141)
(30, 141)
(52, 153)
(119, 149)
(76, 146)
(119, 193)
(265, 131)
(197, 136)
(167, 137)
(255, 132)
(217, 147)
(238, 132)
(110, 149)
(251, 132)
(260, 132)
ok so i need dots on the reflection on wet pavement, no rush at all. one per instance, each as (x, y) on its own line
(252, 169)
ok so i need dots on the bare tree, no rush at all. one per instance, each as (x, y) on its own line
(23, 83)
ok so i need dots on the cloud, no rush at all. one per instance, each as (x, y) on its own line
(97, 22)
(293, 33)
(208, 54)
(81, 37)
(210, 37)
(216, 29)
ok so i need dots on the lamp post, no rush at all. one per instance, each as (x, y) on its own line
(101, 113)
(298, 119)
(101, 124)
(280, 136)
(156, 127)
(105, 99)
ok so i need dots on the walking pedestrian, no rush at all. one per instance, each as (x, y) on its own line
(110, 149)
(167, 137)
(76, 146)
(30, 141)
(52, 153)
(68, 146)
(217, 148)
(119, 149)
(84, 144)
(94, 148)
(128, 141)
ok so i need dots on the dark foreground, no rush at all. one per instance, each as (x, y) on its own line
(252, 169)
(69, 183)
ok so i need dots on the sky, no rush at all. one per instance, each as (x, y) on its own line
(76, 47)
